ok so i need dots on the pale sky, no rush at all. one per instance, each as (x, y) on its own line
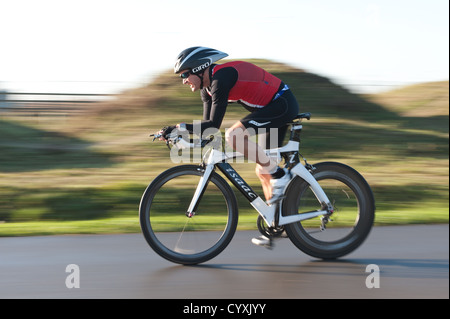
(108, 45)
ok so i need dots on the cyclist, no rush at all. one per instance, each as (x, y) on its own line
(269, 100)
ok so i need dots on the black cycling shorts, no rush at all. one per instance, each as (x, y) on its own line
(274, 115)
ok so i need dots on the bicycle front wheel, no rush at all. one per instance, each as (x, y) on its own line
(177, 237)
(351, 221)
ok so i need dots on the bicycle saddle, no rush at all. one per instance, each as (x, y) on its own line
(306, 115)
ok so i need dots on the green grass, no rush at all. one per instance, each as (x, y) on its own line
(98, 226)
(86, 173)
(247, 220)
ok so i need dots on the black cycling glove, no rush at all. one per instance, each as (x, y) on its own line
(166, 130)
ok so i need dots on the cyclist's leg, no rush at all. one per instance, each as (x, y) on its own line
(272, 138)
(238, 137)
(273, 117)
(265, 181)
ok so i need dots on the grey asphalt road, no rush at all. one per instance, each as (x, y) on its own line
(413, 262)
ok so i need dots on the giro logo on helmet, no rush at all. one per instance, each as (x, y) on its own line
(197, 59)
(201, 67)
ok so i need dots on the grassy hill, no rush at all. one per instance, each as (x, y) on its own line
(86, 173)
(420, 100)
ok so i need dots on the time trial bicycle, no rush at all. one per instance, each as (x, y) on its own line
(189, 213)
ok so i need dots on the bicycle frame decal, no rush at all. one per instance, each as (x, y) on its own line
(237, 181)
(267, 212)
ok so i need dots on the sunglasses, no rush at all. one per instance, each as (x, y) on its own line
(185, 75)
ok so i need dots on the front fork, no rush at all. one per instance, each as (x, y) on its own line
(201, 187)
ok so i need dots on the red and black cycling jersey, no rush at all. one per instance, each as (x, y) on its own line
(236, 81)
(253, 86)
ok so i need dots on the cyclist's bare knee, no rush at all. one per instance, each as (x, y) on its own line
(236, 134)
(261, 171)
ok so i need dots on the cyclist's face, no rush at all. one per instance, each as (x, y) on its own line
(193, 81)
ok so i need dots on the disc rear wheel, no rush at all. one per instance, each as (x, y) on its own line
(347, 227)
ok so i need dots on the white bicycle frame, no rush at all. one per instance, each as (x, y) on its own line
(218, 158)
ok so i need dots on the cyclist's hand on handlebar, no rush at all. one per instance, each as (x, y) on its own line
(169, 132)
(165, 132)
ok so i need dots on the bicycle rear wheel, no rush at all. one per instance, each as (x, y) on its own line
(351, 221)
(177, 237)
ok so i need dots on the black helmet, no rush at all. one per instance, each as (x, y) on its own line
(197, 59)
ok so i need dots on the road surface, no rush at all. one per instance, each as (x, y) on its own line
(413, 262)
